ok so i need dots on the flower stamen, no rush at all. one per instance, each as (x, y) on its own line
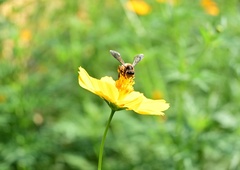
(124, 85)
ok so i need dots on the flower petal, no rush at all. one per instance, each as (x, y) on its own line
(152, 107)
(131, 101)
(85, 81)
(108, 79)
(104, 88)
(107, 91)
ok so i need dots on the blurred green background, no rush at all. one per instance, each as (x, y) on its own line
(47, 121)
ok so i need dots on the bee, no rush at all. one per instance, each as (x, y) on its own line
(126, 69)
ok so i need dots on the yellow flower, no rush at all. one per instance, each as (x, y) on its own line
(121, 95)
(140, 7)
(210, 7)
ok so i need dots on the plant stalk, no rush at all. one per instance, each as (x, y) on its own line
(103, 140)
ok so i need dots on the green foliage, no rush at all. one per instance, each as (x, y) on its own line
(47, 121)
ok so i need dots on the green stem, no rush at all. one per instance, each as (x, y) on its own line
(103, 141)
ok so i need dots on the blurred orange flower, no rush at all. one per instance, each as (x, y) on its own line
(140, 7)
(210, 7)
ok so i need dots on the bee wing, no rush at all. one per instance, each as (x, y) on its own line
(137, 59)
(117, 55)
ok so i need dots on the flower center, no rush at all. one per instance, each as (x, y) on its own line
(124, 85)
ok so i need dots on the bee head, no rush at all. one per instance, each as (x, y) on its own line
(126, 70)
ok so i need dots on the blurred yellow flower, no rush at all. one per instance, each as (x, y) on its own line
(210, 7)
(121, 95)
(156, 94)
(25, 35)
(140, 7)
(2, 98)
